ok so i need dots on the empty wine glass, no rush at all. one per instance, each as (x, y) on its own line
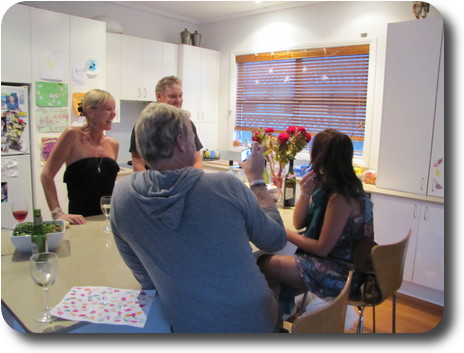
(44, 269)
(20, 209)
(105, 204)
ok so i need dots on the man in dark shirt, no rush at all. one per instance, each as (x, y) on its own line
(169, 91)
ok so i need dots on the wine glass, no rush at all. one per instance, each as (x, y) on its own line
(105, 204)
(44, 268)
(20, 210)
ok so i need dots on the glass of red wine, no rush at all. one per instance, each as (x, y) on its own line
(20, 210)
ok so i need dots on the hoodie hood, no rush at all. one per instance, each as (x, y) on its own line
(162, 194)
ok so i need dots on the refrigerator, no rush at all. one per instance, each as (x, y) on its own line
(16, 152)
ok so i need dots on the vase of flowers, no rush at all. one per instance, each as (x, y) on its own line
(281, 149)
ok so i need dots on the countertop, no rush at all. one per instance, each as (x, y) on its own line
(87, 256)
(222, 165)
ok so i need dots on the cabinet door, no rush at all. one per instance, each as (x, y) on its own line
(429, 266)
(170, 59)
(131, 68)
(437, 161)
(113, 69)
(411, 72)
(50, 43)
(393, 217)
(83, 55)
(207, 133)
(152, 68)
(16, 45)
(209, 85)
(190, 73)
(50, 34)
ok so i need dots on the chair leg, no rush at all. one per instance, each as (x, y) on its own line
(360, 328)
(394, 313)
(373, 318)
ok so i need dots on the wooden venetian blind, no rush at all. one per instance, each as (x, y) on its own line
(317, 89)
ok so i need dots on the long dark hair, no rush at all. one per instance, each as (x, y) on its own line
(332, 160)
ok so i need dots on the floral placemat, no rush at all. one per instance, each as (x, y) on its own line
(105, 305)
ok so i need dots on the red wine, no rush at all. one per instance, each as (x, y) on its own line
(20, 215)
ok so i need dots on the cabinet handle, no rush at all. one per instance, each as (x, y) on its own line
(433, 185)
(414, 214)
(422, 184)
(426, 213)
(139, 92)
(145, 92)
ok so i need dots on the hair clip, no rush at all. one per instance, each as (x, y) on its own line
(80, 110)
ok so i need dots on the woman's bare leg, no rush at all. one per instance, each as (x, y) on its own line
(281, 269)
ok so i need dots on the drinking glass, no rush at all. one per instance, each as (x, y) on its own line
(44, 269)
(20, 210)
(105, 204)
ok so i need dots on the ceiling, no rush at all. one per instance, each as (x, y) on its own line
(201, 12)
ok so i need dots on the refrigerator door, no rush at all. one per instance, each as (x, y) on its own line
(16, 185)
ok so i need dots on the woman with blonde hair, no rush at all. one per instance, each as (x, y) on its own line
(90, 159)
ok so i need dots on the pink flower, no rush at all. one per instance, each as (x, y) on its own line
(269, 130)
(308, 137)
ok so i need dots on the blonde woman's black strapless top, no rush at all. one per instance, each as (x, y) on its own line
(87, 181)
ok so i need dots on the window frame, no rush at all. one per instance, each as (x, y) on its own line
(362, 160)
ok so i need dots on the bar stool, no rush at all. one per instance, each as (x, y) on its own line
(388, 264)
(328, 319)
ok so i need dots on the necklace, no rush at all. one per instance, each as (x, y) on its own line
(99, 165)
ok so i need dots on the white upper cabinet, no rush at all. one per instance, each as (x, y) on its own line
(16, 45)
(170, 59)
(137, 65)
(113, 68)
(50, 39)
(412, 117)
(87, 54)
(199, 71)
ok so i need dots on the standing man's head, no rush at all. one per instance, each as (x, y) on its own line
(169, 91)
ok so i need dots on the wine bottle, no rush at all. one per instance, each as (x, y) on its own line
(231, 167)
(290, 187)
(38, 236)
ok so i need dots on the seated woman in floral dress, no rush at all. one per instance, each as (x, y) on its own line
(336, 214)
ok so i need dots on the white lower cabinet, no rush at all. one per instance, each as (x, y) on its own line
(394, 216)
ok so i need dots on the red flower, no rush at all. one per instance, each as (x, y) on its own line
(308, 137)
(255, 136)
(291, 130)
(302, 129)
(269, 130)
(283, 138)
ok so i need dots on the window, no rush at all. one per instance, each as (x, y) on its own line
(314, 88)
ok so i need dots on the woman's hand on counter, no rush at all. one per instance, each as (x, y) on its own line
(72, 218)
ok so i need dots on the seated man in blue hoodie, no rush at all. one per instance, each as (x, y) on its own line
(187, 233)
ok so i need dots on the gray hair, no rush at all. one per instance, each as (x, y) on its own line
(167, 82)
(157, 128)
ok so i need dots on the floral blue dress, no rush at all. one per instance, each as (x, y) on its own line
(326, 276)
